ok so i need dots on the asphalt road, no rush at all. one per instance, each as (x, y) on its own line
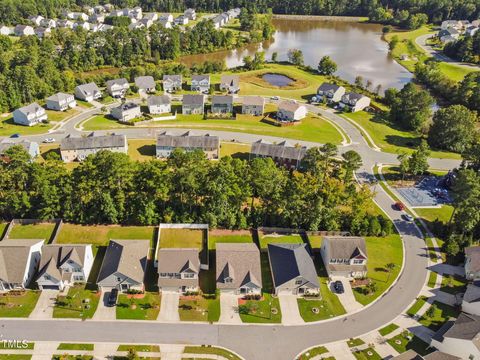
(256, 341)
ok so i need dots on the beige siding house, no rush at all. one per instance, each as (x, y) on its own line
(78, 148)
(345, 256)
(167, 143)
(253, 105)
(178, 269)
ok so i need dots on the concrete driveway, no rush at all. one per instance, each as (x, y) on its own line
(229, 309)
(45, 304)
(103, 311)
(290, 312)
(169, 307)
(347, 298)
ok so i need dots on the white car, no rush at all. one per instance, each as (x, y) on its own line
(408, 217)
(274, 98)
(49, 140)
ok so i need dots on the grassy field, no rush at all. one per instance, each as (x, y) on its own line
(202, 308)
(129, 307)
(388, 329)
(75, 304)
(3, 226)
(262, 311)
(139, 348)
(68, 346)
(417, 306)
(266, 239)
(141, 150)
(442, 214)
(390, 138)
(453, 284)
(381, 251)
(8, 127)
(198, 350)
(314, 352)
(235, 150)
(441, 314)
(325, 308)
(402, 343)
(33, 231)
(181, 238)
(18, 305)
(214, 239)
(315, 241)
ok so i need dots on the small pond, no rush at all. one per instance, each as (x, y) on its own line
(277, 80)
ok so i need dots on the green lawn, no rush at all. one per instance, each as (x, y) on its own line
(139, 348)
(390, 138)
(431, 249)
(430, 215)
(214, 239)
(141, 150)
(401, 343)
(8, 127)
(210, 350)
(266, 310)
(130, 307)
(79, 303)
(355, 342)
(454, 72)
(381, 251)
(323, 309)
(17, 346)
(72, 357)
(432, 279)
(279, 239)
(311, 353)
(18, 305)
(441, 314)
(33, 231)
(417, 306)
(57, 116)
(201, 308)
(235, 150)
(3, 226)
(388, 329)
(15, 357)
(315, 241)
(72, 346)
(367, 353)
(453, 284)
(181, 238)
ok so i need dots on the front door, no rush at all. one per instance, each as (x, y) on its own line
(124, 287)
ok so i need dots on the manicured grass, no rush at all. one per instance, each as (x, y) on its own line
(18, 305)
(402, 343)
(200, 308)
(8, 127)
(454, 72)
(367, 353)
(15, 357)
(391, 138)
(67, 346)
(316, 351)
(181, 238)
(279, 239)
(19, 346)
(235, 150)
(3, 226)
(431, 249)
(430, 215)
(325, 310)
(214, 239)
(33, 231)
(355, 342)
(388, 329)
(432, 279)
(140, 348)
(210, 350)
(381, 251)
(417, 306)
(260, 311)
(315, 241)
(56, 116)
(453, 284)
(441, 314)
(75, 304)
(141, 150)
(130, 307)
(72, 357)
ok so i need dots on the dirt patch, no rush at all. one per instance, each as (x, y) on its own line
(135, 296)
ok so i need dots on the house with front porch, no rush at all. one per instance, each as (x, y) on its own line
(238, 268)
(64, 265)
(124, 265)
(159, 104)
(172, 83)
(344, 256)
(19, 260)
(293, 270)
(178, 269)
(145, 84)
(200, 83)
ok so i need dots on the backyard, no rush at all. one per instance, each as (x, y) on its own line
(452, 284)
(32, 231)
(144, 306)
(78, 303)
(266, 239)
(18, 304)
(234, 237)
(182, 238)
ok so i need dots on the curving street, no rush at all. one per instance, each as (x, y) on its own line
(253, 341)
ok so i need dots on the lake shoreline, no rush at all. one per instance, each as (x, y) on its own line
(320, 18)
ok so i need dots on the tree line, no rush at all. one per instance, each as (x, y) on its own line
(110, 188)
(466, 49)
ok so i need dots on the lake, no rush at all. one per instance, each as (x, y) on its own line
(357, 48)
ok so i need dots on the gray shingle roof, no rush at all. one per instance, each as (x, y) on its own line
(408, 355)
(253, 100)
(145, 82)
(193, 99)
(176, 79)
(200, 77)
(31, 108)
(473, 254)
(55, 255)
(93, 142)
(88, 89)
(188, 140)
(121, 82)
(230, 80)
(14, 257)
(158, 100)
(466, 327)
(289, 105)
(283, 150)
(7, 144)
(59, 97)
(328, 87)
(172, 260)
(352, 96)
(222, 99)
(346, 247)
(127, 106)
(438, 355)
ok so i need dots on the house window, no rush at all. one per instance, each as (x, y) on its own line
(228, 280)
(298, 282)
(188, 275)
(163, 275)
(119, 278)
(358, 262)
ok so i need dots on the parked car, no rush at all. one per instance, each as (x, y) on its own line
(399, 206)
(274, 98)
(49, 140)
(338, 286)
(407, 217)
(14, 136)
(112, 298)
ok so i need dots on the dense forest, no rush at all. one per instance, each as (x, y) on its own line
(231, 193)
(466, 49)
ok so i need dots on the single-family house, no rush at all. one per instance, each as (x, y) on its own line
(36, 19)
(354, 102)
(42, 32)
(124, 265)
(31, 147)
(230, 83)
(136, 13)
(19, 260)
(238, 269)
(293, 270)
(78, 16)
(166, 18)
(145, 84)
(218, 21)
(126, 112)
(344, 256)
(471, 30)
(49, 23)
(97, 18)
(472, 263)
(88, 92)
(200, 83)
(30, 115)
(147, 23)
(193, 104)
(190, 14)
(330, 93)
(283, 153)
(167, 143)
(159, 104)
(459, 337)
(181, 20)
(64, 265)
(253, 105)
(289, 110)
(178, 269)
(6, 30)
(165, 23)
(78, 148)
(172, 83)
(84, 25)
(61, 102)
(66, 24)
(117, 88)
(450, 24)
(436, 355)
(222, 104)
(150, 16)
(23, 30)
(471, 300)
(448, 33)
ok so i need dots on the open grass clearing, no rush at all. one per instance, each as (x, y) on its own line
(266, 239)
(182, 238)
(266, 310)
(407, 341)
(388, 329)
(75, 346)
(32, 231)
(213, 240)
(235, 150)
(141, 150)
(8, 127)
(441, 314)
(210, 350)
(138, 306)
(18, 304)
(79, 303)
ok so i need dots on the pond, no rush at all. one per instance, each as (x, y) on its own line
(277, 80)
(357, 48)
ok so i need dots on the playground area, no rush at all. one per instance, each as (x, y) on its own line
(429, 192)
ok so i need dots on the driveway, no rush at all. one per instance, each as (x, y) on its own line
(290, 312)
(229, 309)
(169, 307)
(347, 298)
(45, 304)
(103, 311)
